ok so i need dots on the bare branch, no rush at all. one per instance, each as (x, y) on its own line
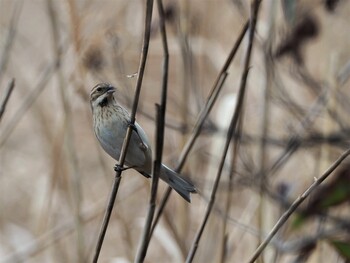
(160, 117)
(232, 128)
(143, 59)
(283, 219)
(215, 91)
(6, 97)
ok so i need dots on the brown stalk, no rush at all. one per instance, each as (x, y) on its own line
(283, 219)
(7, 95)
(160, 117)
(74, 176)
(202, 117)
(145, 239)
(141, 69)
(64, 229)
(230, 132)
(28, 101)
(228, 201)
(264, 208)
(6, 52)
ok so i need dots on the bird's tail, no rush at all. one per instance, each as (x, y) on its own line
(179, 184)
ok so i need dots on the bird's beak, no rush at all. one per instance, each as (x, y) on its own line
(110, 90)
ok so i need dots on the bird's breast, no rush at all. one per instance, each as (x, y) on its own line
(110, 130)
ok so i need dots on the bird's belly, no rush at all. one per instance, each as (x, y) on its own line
(111, 141)
(111, 137)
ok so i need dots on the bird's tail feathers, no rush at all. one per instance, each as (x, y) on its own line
(182, 186)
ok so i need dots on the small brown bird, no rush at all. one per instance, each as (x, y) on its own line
(111, 122)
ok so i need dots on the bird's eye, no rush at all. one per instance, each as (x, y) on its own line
(99, 89)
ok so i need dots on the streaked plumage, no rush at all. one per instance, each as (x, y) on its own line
(111, 122)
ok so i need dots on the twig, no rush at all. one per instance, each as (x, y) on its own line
(144, 52)
(228, 200)
(211, 98)
(200, 121)
(141, 254)
(64, 228)
(296, 204)
(314, 86)
(296, 139)
(74, 179)
(28, 101)
(6, 97)
(10, 38)
(106, 217)
(160, 117)
(282, 246)
(264, 209)
(232, 127)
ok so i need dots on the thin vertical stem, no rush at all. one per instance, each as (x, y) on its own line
(145, 239)
(160, 120)
(74, 178)
(263, 153)
(202, 117)
(230, 132)
(142, 65)
(12, 31)
(6, 98)
(283, 219)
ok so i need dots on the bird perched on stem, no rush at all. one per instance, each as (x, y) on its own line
(111, 122)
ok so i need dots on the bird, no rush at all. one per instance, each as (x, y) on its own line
(111, 121)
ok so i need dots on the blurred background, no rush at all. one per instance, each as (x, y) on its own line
(55, 179)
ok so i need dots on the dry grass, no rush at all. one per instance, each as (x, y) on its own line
(55, 179)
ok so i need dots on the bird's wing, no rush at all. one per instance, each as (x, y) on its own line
(139, 152)
(144, 144)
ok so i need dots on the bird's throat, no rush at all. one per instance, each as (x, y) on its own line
(103, 102)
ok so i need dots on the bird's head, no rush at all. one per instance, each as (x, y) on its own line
(101, 95)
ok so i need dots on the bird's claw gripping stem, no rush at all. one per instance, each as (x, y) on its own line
(118, 168)
(133, 127)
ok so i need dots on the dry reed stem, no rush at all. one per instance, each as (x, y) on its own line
(74, 189)
(290, 103)
(142, 65)
(283, 219)
(213, 94)
(228, 201)
(28, 101)
(145, 238)
(6, 97)
(231, 129)
(5, 56)
(160, 122)
(265, 211)
(295, 139)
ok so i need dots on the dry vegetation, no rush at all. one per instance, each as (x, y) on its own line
(293, 124)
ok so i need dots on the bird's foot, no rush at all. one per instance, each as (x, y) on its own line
(133, 126)
(119, 169)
